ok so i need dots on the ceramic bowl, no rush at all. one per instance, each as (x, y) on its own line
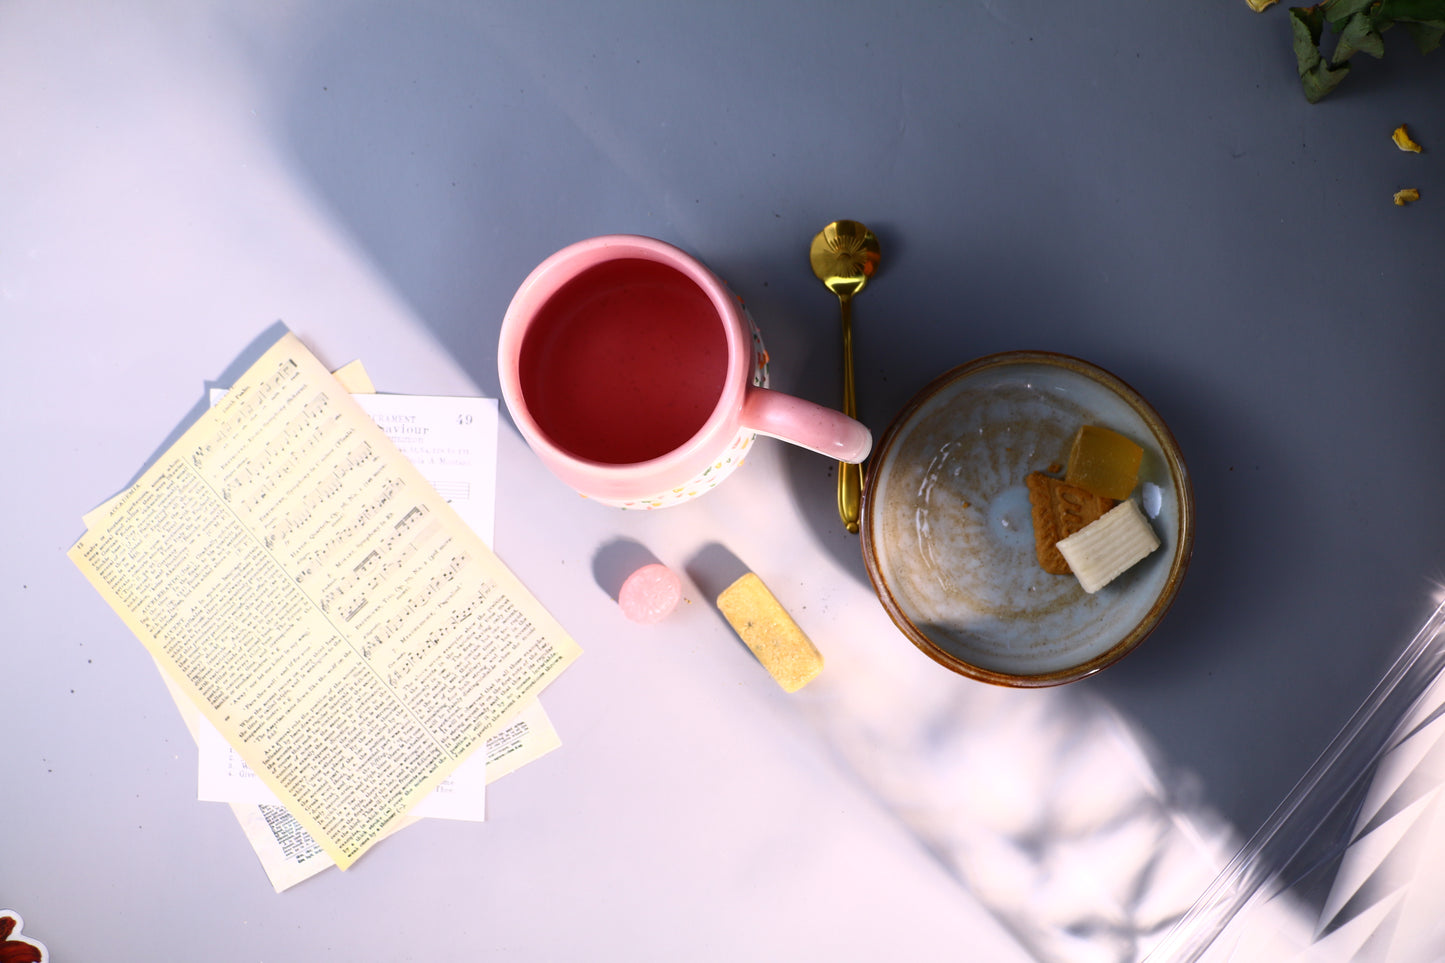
(947, 529)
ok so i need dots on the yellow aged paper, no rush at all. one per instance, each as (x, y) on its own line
(354, 378)
(322, 605)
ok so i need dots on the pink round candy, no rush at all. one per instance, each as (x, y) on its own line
(650, 594)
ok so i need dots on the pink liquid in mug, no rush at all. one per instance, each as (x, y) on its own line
(624, 363)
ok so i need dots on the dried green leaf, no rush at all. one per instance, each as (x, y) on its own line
(1359, 35)
(1416, 10)
(1322, 79)
(1306, 24)
(1360, 24)
(1427, 35)
(1338, 11)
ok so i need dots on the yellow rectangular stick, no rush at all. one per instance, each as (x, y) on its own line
(761, 621)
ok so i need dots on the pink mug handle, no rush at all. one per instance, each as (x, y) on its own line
(806, 424)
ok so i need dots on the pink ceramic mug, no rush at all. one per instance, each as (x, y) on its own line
(640, 380)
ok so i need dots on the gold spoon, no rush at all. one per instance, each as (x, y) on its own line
(844, 256)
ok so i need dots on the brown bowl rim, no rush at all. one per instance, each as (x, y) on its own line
(1183, 550)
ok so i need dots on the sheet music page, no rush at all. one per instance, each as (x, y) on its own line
(453, 443)
(286, 850)
(225, 777)
(289, 855)
(325, 608)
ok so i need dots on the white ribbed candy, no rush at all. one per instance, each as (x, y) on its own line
(1101, 551)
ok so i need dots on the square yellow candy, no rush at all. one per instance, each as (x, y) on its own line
(1104, 462)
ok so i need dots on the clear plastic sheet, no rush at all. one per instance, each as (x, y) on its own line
(1351, 866)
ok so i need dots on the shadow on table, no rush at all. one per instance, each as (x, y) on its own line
(249, 355)
(414, 132)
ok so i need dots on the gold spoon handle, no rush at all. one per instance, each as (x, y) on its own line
(850, 476)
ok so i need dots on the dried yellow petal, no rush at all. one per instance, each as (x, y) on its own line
(1403, 140)
(1258, 5)
(1406, 196)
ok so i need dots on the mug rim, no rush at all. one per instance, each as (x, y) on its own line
(631, 480)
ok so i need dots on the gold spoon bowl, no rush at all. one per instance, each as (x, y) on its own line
(844, 256)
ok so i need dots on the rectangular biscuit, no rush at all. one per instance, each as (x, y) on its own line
(761, 621)
(1059, 510)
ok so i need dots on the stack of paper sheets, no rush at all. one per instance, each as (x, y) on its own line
(310, 569)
